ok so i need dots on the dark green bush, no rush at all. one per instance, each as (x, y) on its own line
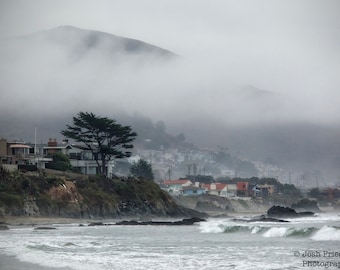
(9, 199)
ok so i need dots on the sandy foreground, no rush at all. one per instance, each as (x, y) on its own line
(11, 263)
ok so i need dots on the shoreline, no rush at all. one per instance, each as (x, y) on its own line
(40, 221)
(12, 263)
(31, 221)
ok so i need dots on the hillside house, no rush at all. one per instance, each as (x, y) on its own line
(53, 147)
(219, 189)
(176, 186)
(193, 191)
(242, 189)
(20, 153)
(232, 190)
(261, 190)
(14, 152)
(267, 189)
(83, 161)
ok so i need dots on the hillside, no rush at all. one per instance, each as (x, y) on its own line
(56, 194)
(80, 42)
(48, 76)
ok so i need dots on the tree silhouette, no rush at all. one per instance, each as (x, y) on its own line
(143, 169)
(102, 136)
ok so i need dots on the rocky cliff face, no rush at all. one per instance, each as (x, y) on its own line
(62, 200)
(76, 196)
(215, 205)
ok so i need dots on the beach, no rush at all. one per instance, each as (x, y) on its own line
(32, 221)
(11, 263)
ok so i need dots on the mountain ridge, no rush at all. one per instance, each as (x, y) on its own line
(90, 39)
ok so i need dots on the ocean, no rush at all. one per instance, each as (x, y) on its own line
(303, 243)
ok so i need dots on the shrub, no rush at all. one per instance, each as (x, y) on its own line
(9, 199)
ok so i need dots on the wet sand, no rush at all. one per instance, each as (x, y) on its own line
(11, 263)
(17, 221)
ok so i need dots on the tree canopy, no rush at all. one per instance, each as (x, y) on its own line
(59, 162)
(143, 169)
(103, 137)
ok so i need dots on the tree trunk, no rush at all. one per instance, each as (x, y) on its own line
(103, 167)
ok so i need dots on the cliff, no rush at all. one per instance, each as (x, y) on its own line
(53, 194)
(216, 205)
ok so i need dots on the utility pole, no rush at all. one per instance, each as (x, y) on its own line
(195, 172)
(35, 142)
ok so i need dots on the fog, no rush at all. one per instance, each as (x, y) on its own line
(259, 77)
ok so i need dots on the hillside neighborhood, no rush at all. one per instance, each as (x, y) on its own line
(21, 155)
(169, 163)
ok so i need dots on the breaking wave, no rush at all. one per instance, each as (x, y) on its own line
(325, 233)
(289, 232)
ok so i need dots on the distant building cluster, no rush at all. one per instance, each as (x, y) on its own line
(166, 163)
(243, 189)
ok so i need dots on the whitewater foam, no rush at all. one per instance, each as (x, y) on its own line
(215, 244)
(327, 233)
(276, 232)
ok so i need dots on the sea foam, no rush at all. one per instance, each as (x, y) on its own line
(327, 233)
(276, 232)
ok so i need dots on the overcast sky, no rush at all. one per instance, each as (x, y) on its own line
(289, 48)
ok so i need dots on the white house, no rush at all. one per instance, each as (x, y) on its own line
(176, 186)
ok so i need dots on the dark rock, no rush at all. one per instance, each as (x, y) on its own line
(45, 228)
(280, 211)
(131, 222)
(96, 224)
(264, 218)
(4, 228)
(100, 224)
(189, 221)
(186, 221)
(306, 205)
(285, 212)
(306, 214)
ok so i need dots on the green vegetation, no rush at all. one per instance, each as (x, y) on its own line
(102, 136)
(104, 190)
(20, 184)
(142, 169)
(60, 162)
(10, 200)
(80, 196)
(15, 187)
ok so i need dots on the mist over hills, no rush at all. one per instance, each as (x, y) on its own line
(47, 77)
(80, 42)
